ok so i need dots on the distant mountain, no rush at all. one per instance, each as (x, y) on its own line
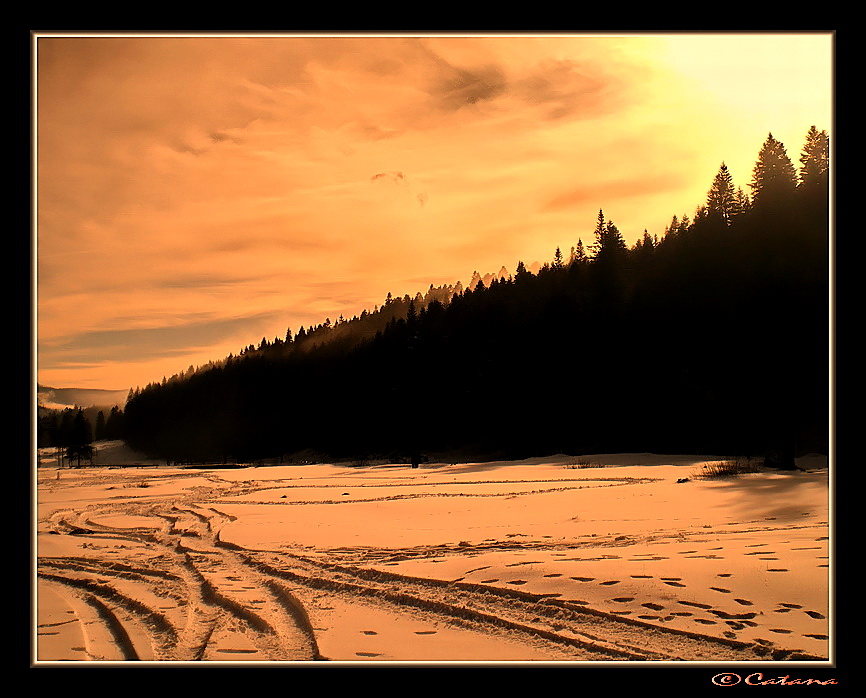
(59, 398)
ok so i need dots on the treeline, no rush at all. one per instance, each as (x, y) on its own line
(712, 337)
(71, 431)
(76, 426)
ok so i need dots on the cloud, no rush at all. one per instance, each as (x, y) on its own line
(145, 343)
(185, 182)
(565, 89)
(460, 87)
(616, 190)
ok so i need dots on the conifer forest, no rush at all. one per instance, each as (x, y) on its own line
(712, 336)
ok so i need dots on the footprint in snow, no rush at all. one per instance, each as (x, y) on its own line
(695, 604)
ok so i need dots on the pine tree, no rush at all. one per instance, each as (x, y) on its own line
(580, 255)
(722, 200)
(743, 202)
(815, 160)
(608, 239)
(645, 245)
(614, 240)
(521, 272)
(672, 228)
(774, 178)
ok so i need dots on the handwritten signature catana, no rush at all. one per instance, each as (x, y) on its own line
(757, 679)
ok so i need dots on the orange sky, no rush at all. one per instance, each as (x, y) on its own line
(195, 193)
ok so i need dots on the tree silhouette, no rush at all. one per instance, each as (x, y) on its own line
(114, 424)
(723, 200)
(774, 179)
(578, 253)
(709, 338)
(815, 160)
(80, 437)
(609, 242)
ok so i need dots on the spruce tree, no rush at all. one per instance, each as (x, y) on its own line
(722, 200)
(774, 178)
(521, 272)
(608, 240)
(580, 252)
(815, 161)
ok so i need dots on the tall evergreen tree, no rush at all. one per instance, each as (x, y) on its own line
(577, 254)
(743, 202)
(598, 233)
(645, 245)
(722, 200)
(774, 179)
(815, 161)
(521, 272)
(608, 240)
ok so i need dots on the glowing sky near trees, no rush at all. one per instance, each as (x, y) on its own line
(197, 193)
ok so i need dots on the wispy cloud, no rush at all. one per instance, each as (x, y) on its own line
(286, 179)
(178, 339)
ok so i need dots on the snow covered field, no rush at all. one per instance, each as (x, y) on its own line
(606, 558)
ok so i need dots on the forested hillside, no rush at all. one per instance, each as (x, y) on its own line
(710, 337)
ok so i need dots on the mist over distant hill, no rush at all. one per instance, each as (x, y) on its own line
(59, 398)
